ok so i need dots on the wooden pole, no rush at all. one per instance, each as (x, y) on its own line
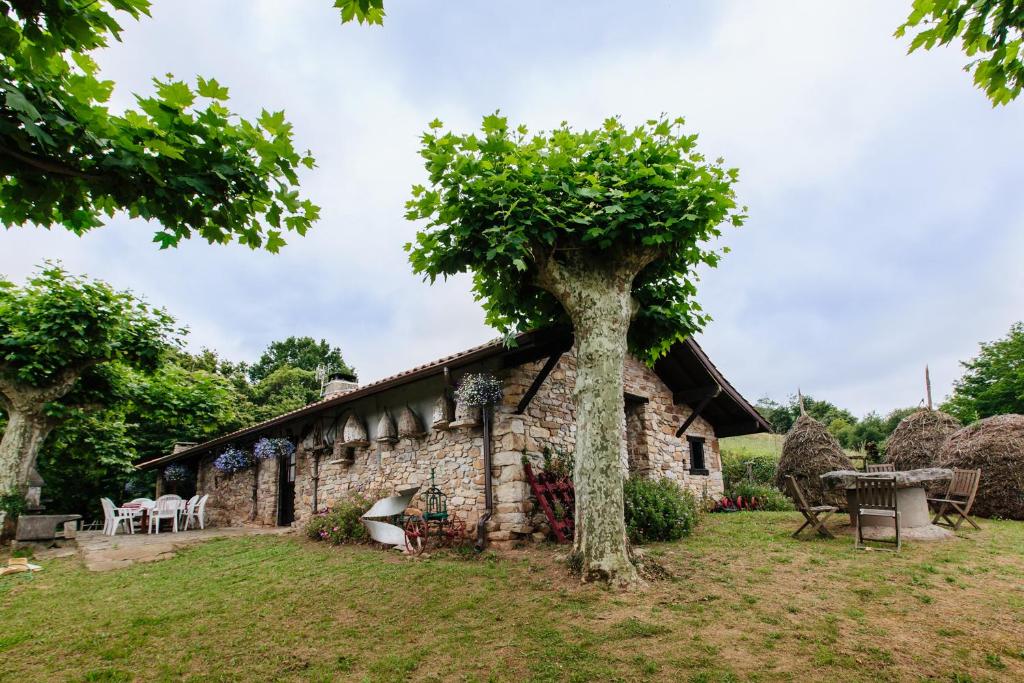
(800, 397)
(928, 386)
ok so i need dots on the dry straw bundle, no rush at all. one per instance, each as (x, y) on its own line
(918, 438)
(808, 452)
(994, 445)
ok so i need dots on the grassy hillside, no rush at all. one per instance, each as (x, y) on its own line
(751, 446)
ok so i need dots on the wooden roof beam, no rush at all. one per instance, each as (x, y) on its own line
(524, 402)
(696, 395)
(708, 396)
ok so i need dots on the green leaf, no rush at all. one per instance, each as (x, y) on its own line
(212, 89)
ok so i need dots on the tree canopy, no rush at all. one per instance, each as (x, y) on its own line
(990, 32)
(304, 353)
(504, 203)
(59, 325)
(993, 381)
(65, 344)
(180, 157)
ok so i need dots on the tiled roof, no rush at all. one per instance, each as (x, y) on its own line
(482, 350)
(544, 338)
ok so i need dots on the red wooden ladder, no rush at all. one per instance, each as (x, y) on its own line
(550, 492)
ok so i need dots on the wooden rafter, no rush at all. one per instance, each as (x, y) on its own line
(709, 394)
(524, 402)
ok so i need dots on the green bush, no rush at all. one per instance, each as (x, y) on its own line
(13, 504)
(768, 496)
(734, 467)
(341, 524)
(658, 510)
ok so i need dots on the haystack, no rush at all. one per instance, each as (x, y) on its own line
(994, 445)
(808, 452)
(918, 438)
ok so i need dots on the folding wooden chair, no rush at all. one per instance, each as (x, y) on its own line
(876, 497)
(810, 513)
(881, 467)
(959, 498)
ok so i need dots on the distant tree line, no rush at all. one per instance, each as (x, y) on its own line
(866, 433)
(190, 397)
(992, 384)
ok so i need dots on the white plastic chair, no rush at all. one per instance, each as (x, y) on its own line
(166, 507)
(185, 509)
(197, 511)
(113, 517)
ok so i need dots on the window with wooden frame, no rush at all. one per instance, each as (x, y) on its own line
(698, 464)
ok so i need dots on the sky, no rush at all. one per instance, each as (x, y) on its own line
(885, 225)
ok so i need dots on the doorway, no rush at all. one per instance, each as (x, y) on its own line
(286, 491)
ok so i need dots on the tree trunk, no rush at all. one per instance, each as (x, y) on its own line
(22, 439)
(27, 424)
(597, 299)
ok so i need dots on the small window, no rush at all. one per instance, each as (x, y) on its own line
(697, 464)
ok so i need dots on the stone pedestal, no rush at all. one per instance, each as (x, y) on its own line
(915, 518)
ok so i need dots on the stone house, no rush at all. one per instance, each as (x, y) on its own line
(395, 432)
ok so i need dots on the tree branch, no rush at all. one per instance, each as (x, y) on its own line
(45, 165)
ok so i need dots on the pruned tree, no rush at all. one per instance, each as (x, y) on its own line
(63, 341)
(180, 157)
(990, 33)
(602, 229)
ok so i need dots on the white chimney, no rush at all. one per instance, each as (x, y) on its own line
(340, 383)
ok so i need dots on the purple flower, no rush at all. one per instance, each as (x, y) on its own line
(232, 460)
(268, 449)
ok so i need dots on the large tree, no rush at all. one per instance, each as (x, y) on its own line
(63, 343)
(990, 32)
(993, 381)
(603, 229)
(180, 157)
(304, 353)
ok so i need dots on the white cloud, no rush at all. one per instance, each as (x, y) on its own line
(880, 235)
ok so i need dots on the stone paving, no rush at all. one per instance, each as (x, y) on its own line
(103, 553)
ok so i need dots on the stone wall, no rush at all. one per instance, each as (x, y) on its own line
(456, 453)
(230, 501)
(380, 469)
(650, 423)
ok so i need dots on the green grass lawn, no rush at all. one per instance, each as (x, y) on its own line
(747, 603)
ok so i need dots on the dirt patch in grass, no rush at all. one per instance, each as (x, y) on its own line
(746, 602)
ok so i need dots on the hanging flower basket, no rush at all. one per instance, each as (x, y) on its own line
(176, 473)
(233, 460)
(474, 393)
(479, 390)
(270, 449)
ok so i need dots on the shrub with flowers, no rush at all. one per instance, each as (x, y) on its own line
(341, 524)
(268, 449)
(479, 390)
(176, 472)
(233, 460)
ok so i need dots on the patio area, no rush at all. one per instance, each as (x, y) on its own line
(102, 553)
